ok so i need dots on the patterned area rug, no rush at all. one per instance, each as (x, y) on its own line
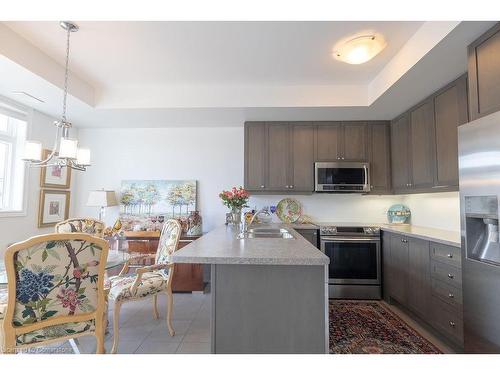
(367, 327)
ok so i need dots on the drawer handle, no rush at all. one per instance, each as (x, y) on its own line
(452, 324)
(451, 295)
(451, 276)
(450, 256)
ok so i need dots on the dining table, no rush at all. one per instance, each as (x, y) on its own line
(116, 258)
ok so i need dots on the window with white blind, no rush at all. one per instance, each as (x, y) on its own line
(13, 128)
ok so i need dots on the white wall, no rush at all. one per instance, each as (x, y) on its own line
(338, 207)
(214, 157)
(437, 210)
(19, 228)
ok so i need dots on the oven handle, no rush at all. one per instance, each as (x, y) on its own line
(349, 239)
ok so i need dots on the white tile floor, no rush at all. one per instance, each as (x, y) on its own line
(141, 333)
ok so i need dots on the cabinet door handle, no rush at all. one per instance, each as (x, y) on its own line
(451, 276)
(451, 295)
(450, 256)
(452, 324)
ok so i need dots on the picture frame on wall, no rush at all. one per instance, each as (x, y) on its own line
(53, 207)
(54, 177)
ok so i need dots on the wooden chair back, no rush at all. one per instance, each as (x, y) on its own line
(87, 225)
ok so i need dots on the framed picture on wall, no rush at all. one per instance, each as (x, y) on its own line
(54, 177)
(53, 207)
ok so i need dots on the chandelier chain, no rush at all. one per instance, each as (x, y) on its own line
(66, 76)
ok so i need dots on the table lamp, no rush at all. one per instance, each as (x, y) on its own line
(102, 198)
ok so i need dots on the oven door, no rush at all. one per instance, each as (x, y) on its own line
(352, 260)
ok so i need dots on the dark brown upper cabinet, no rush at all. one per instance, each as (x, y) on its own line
(484, 74)
(302, 157)
(285, 160)
(450, 110)
(347, 141)
(255, 156)
(278, 156)
(354, 141)
(424, 142)
(328, 141)
(423, 145)
(400, 153)
(379, 156)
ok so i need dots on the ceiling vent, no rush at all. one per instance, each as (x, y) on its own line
(28, 95)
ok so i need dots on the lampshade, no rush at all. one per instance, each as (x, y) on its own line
(32, 151)
(360, 49)
(68, 148)
(83, 156)
(102, 198)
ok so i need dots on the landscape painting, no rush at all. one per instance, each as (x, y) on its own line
(146, 204)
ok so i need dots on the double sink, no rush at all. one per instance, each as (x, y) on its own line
(266, 233)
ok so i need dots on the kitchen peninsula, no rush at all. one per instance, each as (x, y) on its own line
(269, 292)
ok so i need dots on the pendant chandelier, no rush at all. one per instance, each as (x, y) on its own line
(65, 152)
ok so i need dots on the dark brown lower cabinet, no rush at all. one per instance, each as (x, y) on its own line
(399, 269)
(386, 265)
(419, 278)
(415, 276)
(310, 235)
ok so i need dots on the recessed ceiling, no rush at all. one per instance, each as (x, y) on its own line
(155, 74)
(111, 54)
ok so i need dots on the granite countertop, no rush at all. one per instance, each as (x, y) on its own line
(445, 237)
(220, 246)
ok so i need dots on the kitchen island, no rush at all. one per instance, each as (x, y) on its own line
(269, 295)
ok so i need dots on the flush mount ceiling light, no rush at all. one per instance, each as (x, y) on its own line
(65, 152)
(360, 49)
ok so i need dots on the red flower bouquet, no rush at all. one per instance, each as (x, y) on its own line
(235, 198)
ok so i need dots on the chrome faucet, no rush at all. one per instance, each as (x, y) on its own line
(255, 215)
(244, 226)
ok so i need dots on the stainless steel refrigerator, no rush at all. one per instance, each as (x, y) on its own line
(479, 163)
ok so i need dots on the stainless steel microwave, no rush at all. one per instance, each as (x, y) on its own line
(342, 177)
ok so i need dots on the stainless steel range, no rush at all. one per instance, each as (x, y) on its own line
(354, 252)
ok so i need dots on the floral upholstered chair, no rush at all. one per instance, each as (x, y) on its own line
(81, 225)
(149, 280)
(55, 291)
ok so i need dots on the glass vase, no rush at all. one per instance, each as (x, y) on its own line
(236, 215)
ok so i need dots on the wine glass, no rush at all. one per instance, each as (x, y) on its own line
(153, 220)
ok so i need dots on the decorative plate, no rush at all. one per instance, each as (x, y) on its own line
(289, 210)
(398, 214)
